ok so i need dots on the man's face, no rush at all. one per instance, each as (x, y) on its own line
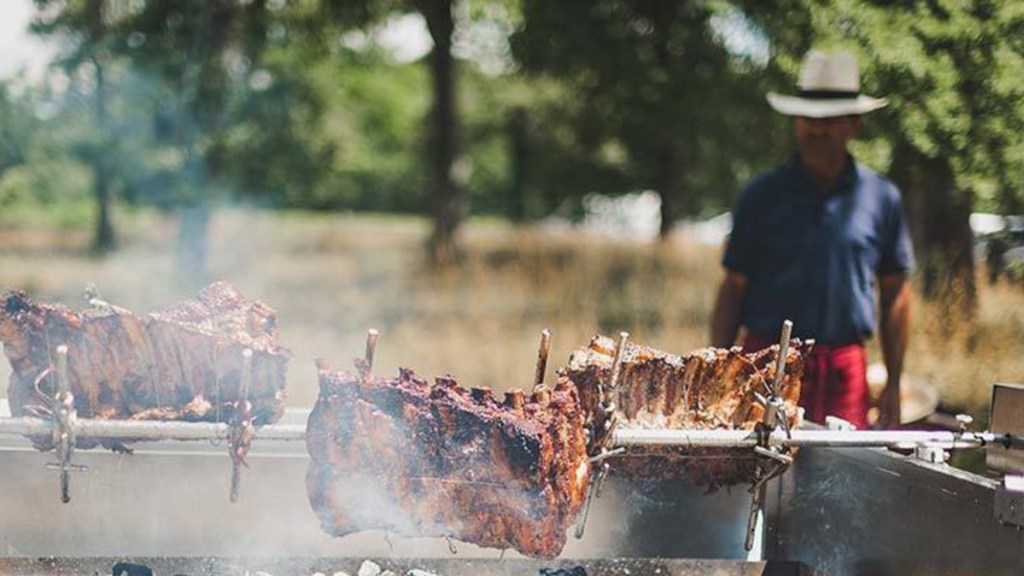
(824, 139)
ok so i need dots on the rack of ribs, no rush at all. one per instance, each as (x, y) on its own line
(437, 460)
(184, 363)
(710, 388)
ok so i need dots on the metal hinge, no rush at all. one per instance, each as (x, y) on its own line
(1009, 502)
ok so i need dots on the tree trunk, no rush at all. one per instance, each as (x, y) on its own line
(519, 210)
(667, 156)
(447, 197)
(668, 186)
(104, 240)
(938, 213)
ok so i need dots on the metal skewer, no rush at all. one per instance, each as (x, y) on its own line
(63, 431)
(242, 430)
(602, 440)
(613, 381)
(371, 350)
(621, 437)
(542, 358)
(780, 367)
(640, 438)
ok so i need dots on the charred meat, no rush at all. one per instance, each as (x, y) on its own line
(711, 388)
(438, 460)
(179, 364)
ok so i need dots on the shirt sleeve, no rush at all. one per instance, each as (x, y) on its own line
(739, 255)
(898, 251)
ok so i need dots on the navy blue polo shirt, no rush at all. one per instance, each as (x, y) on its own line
(813, 257)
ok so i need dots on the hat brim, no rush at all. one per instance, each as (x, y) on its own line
(820, 108)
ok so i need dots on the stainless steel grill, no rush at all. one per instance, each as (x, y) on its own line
(844, 506)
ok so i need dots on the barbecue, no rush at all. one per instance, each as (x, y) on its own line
(631, 519)
(708, 389)
(440, 460)
(184, 363)
(214, 359)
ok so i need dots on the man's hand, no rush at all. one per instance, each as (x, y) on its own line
(889, 409)
(895, 325)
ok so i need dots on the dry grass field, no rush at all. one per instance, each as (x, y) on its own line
(331, 277)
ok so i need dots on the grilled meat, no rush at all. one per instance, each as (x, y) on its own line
(435, 460)
(182, 363)
(711, 388)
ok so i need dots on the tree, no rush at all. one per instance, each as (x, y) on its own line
(951, 70)
(654, 84)
(85, 24)
(231, 103)
(448, 204)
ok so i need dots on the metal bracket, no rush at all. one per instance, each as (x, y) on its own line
(931, 454)
(605, 423)
(64, 417)
(837, 424)
(1009, 502)
(593, 491)
(773, 460)
(242, 431)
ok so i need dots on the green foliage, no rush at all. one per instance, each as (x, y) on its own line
(651, 88)
(951, 70)
(271, 102)
(42, 176)
(17, 126)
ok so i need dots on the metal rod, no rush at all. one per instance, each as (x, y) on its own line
(239, 442)
(63, 423)
(613, 380)
(371, 350)
(63, 386)
(626, 437)
(542, 358)
(801, 438)
(780, 368)
(246, 377)
(148, 429)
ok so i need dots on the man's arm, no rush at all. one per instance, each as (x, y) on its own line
(895, 325)
(725, 320)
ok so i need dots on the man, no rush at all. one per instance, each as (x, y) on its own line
(810, 241)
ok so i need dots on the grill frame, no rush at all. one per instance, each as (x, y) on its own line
(903, 516)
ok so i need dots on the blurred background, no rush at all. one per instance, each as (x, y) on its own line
(461, 174)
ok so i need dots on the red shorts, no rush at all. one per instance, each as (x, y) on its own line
(835, 381)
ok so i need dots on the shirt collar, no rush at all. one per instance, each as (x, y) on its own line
(847, 180)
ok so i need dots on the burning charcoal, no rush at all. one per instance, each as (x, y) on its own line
(574, 571)
(129, 569)
(369, 568)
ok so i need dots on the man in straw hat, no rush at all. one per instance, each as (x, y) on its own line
(809, 242)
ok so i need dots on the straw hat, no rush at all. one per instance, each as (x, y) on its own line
(829, 86)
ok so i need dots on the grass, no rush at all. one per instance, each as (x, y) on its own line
(331, 277)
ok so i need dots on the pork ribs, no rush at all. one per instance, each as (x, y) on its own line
(179, 364)
(438, 460)
(710, 388)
